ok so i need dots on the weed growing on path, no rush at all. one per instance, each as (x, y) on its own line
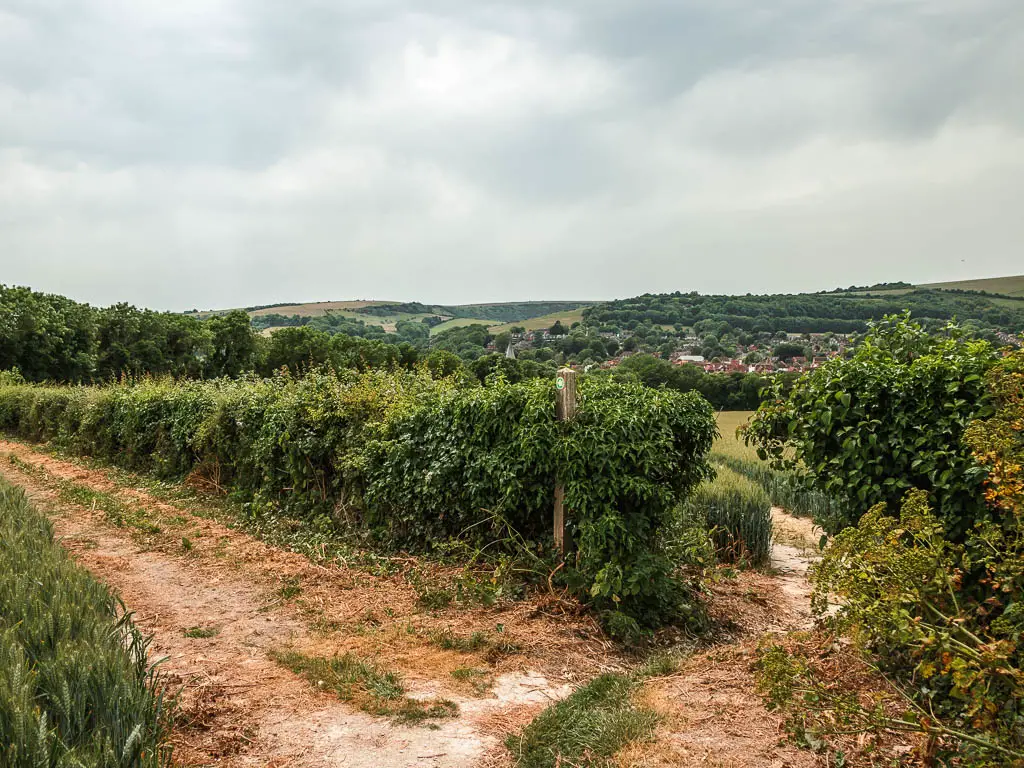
(363, 684)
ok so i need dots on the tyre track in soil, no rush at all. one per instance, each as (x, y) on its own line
(240, 708)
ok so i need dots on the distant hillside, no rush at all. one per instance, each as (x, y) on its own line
(842, 311)
(992, 303)
(508, 312)
(1005, 286)
(348, 316)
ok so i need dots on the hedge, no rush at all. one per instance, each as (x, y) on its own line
(414, 460)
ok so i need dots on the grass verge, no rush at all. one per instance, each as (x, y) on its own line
(587, 728)
(70, 492)
(366, 686)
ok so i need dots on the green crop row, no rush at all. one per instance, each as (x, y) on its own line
(738, 515)
(787, 491)
(412, 461)
(76, 688)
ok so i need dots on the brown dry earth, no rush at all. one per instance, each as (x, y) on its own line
(239, 708)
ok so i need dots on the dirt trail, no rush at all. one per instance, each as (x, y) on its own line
(712, 713)
(241, 709)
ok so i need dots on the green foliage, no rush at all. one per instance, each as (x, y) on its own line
(738, 515)
(496, 364)
(950, 645)
(939, 616)
(587, 728)
(626, 459)
(435, 467)
(730, 391)
(46, 336)
(629, 457)
(415, 461)
(234, 349)
(51, 338)
(365, 685)
(468, 341)
(133, 342)
(76, 688)
(889, 419)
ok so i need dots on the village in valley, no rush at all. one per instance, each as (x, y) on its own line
(760, 357)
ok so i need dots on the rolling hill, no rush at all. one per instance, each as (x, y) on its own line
(498, 316)
(860, 304)
(1012, 285)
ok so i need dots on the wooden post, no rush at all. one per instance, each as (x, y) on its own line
(565, 409)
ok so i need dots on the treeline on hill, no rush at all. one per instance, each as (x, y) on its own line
(51, 338)
(922, 435)
(804, 313)
(413, 461)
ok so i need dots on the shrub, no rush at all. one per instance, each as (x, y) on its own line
(490, 456)
(75, 686)
(889, 419)
(466, 460)
(941, 618)
(738, 515)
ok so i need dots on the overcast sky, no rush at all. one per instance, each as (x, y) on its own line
(211, 153)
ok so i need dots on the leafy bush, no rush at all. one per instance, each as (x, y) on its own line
(436, 466)
(75, 686)
(738, 515)
(889, 419)
(941, 618)
(414, 461)
(627, 459)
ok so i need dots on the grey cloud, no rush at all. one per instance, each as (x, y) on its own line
(211, 152)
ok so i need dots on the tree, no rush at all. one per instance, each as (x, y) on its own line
(788, 350)
(557, 329)
(135, 342)
(413, 332)
(501, 341)
(297, 349)
(443, 363)
(234, 345)
(47, 337)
